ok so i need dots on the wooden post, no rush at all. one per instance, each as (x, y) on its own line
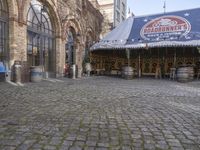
(139, 69)
(174, 58)
(193, 61)
(128, 56)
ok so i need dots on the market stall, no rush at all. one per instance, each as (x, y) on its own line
(157, 43)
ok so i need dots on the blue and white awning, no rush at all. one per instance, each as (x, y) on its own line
(181, 28)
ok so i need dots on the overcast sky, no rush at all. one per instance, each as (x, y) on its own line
(146, 7)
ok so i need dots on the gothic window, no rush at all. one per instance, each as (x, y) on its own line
(71, 46)
(3, 30)
(41, 39)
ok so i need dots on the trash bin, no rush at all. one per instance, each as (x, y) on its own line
(36, 73)
(16, 72)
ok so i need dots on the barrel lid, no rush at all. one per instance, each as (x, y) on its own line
(186, 65)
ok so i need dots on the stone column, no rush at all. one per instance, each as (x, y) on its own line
(17, 44)
(60, 57)
(79, 59)
(17, 41)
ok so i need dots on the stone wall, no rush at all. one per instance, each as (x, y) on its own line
(84, 19)
(81, 15)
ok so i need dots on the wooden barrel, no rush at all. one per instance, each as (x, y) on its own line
(127, 73)
(36, 73)
(185, 73)
(191, 73)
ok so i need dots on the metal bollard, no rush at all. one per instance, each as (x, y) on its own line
(74, 71)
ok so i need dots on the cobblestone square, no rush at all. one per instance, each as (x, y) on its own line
(100, 113)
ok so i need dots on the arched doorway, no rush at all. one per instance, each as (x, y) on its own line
(41, 38)
(3, 31)
(71, 46)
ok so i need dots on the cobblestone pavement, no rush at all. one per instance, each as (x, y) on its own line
(100, 113)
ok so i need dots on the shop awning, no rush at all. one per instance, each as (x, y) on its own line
(173, 29)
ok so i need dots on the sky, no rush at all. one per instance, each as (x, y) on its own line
(147, 7)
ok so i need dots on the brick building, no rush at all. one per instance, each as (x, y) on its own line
(47, 33)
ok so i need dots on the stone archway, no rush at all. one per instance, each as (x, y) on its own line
(41, 48)
(58, 61)
(71, 46)
(74, 27)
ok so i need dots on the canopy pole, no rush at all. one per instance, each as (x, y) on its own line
(175, 58)
(193, 61)
(128, 56)
(184, 55)
(158, 56)
(163, 65)
(139, 69)
(158, 69)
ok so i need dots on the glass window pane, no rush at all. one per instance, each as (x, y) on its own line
(1, 42)
(29, 49)
(35, 40)
(39, 17)
(30, 15)
(46, 42)
(35, 21)
(29, 38)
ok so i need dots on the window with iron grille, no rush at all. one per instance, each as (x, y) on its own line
(3, 30)
(40, 37)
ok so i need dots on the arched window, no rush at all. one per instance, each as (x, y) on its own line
(70, 45)
(41, 39)
(3, 30)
